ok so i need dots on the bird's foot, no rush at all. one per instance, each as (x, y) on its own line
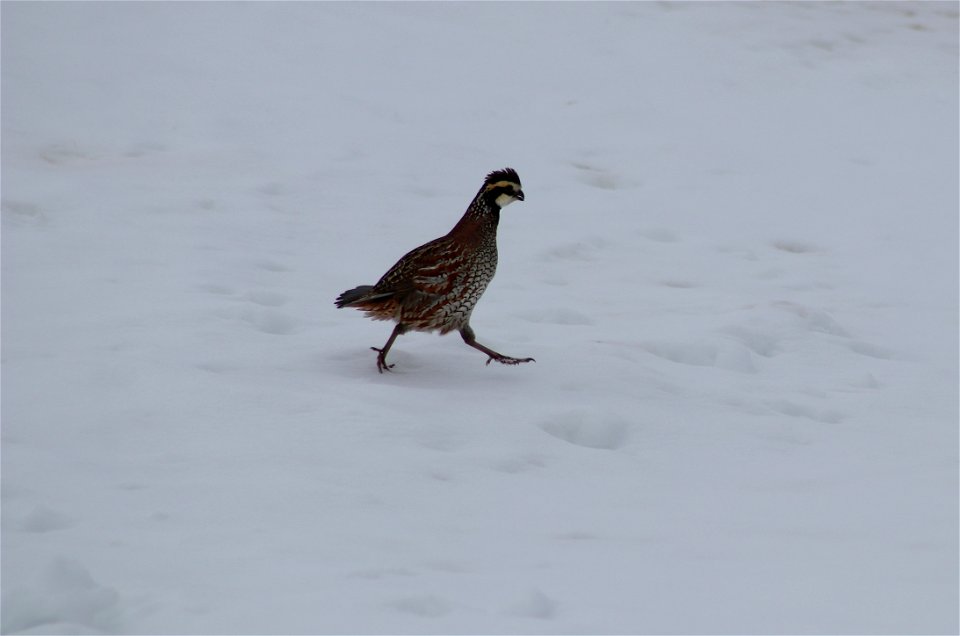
(382, 360)
(508, 360)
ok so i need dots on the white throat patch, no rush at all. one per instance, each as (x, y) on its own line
(503, 200)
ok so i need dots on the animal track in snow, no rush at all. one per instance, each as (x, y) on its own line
(726, 354)
(871, 350)
(558, 316)
(554, 279)
(865, 381)
(215, 366)
(522, 464)
(536, 604)
(766, 329)
(42, 519)
(758, 341)
(600, 178)
(22, 213)
(427, 605)
(65, 599)
(59, 154)
(795, 247)
(144, 149)
(272, 189)
(678, 284)
(271, 322)
(589, 430)
(266, 298)
(578, 251)
(264, 320)
(447, 567)
(216, 289)
(813, 319)
(799, 410)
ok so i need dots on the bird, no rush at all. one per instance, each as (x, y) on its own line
(435, 287)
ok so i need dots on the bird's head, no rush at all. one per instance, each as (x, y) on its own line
(502, 187)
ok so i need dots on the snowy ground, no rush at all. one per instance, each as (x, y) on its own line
(736, 268)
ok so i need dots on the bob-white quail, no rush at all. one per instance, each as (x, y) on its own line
(436, 286)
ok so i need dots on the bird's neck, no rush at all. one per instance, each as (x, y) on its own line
(481, 218)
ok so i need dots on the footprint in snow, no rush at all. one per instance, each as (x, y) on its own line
(427, 605)
(579, 251)
(216, 289)
(813, 319)
(144, 149)
(271, 322)
(599, 178)
(64, 599)
(66, 153)
(557, 316)
(207, 204)
(726, 354)
(536, 604)
(266, 298)
(522, 464)
(791, 409)
(871, 350)
(795, 247)
(676, 283)
(264, 320)
(22, 214)
(589, 430)
(42, 520)
(272, 189)
(865, 381)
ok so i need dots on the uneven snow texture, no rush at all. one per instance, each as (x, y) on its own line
(736, 268)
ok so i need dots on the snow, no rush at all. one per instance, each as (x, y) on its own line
(736, 267)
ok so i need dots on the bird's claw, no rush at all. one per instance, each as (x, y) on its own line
(382, 361)
(509, 360)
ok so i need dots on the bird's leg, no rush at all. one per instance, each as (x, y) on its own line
(382, 353)
(471, 339)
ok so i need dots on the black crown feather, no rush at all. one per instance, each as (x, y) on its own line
(507, 174)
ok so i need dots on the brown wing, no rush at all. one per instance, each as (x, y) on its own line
(428, 269)
(420, 283)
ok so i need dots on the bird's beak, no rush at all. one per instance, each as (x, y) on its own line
(519, 195)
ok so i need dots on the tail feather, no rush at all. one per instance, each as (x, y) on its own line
(360, 294)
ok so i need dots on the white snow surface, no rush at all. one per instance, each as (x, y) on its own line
(736, 267)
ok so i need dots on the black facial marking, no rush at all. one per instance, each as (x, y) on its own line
(492, 194)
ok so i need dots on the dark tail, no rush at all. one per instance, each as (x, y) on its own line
(351, 296)
(362, 294)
